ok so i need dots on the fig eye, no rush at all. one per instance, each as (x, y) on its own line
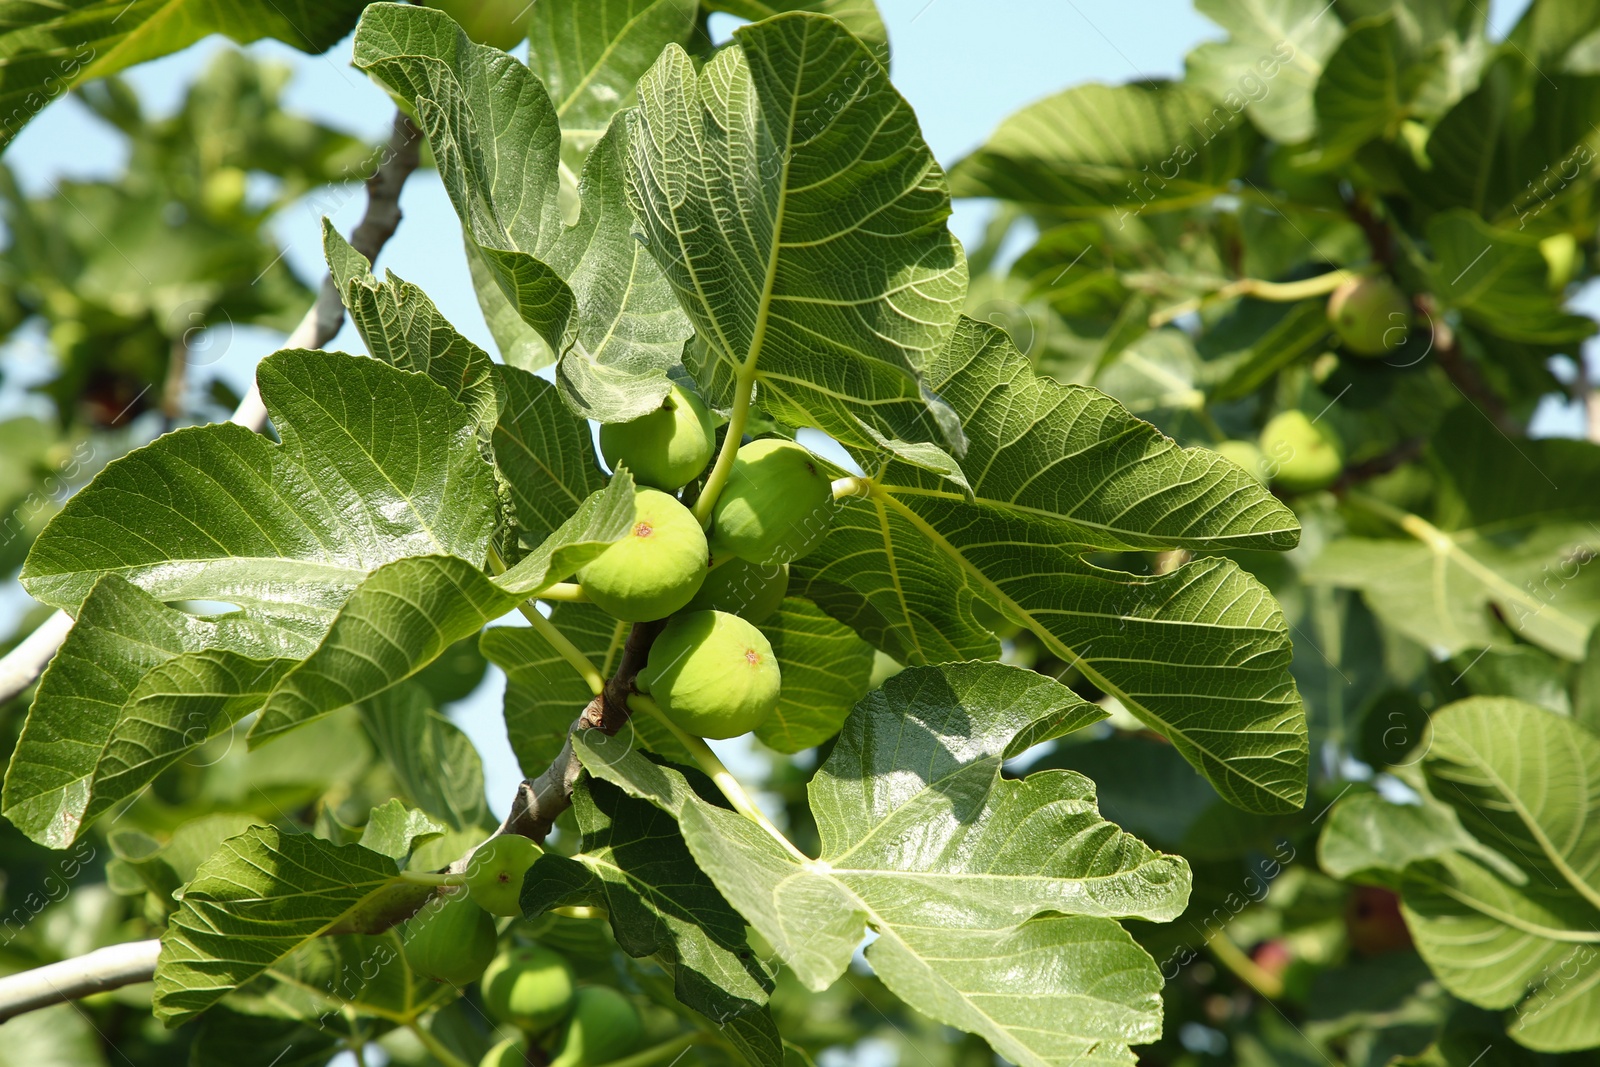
(644, 529)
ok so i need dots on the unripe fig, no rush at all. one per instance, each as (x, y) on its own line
(1246, 455)
(529, 987)
(1370, 315)
(656, 569)
(713, 674)
(512, 1052)
(1560, 252)
(494, 874)
(776, 506)
(666, 449)
(751, 591)
(1300, 455)
(450, 940)
(604, 1026)
(496, 23)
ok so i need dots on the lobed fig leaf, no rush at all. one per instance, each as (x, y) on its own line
(713, 674)
(656, 569)
(777, 505)
(666, 449)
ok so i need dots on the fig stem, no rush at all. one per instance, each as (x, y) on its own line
(1279, 292)
(656, 1053)
(551, 633)
(708, 762)
(743, 386)
(851, 486)
(430, 878)
(566, 593)
(1231, 956)
(435, 1047)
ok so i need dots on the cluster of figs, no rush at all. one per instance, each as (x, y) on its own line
(1299, 453)
(710, 670)
(527, 988)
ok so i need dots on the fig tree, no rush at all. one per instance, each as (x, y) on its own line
(1301, 455)
(604, 1026)
(776, 506)
(1246, 455)
(512, 1052)
(450, 940)
(666, 449)
(1370, 315)
(529, 987)
(752, 591)
(494, 874)
(654, 570)
(712, 673)
(492, 22)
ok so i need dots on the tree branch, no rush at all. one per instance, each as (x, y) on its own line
(394, 164)
(94, 972)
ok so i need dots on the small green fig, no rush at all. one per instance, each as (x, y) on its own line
(654, 570)
(713, 674)
(751, 591)
(450, 940)
(512, 1052)
(1370, 315)
(666, 449)
(496, 23)
(494, 874)
(1247, 455)
(776, 506)
(1560, 252)
(529, 987)
(604, 1026)
(1301, 455)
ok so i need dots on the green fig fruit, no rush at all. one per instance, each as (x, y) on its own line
(1560, 252)
(494, 874)
(1370, 315)
(1247, 455)
(1301, 455)
(751, 591)
(666, 449)
(654, 570)
(512, 1052)
(713, 674)
(529, 987)
(497, 23)
(604, 1026)
(450, 940)
(776, 506)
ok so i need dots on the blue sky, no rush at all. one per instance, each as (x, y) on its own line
(963, 64)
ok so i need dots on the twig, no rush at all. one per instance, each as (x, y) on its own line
(1461, 372)
(23, 664)
(94, 972)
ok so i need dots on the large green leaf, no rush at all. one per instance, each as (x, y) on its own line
(1525, 782)
(826, 669)
(1367, 87)
(589, 54)
(787, 193)
(376, 464)
(633, 863)
(1278, 44)
(434, 763)
(135, 686)
(1505, 545)
(1500, 280)
(1201, 654)
(590, 290)
(971, 881)
(264, 894)
(46, 49)
(1094, 148)
(545, 454)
